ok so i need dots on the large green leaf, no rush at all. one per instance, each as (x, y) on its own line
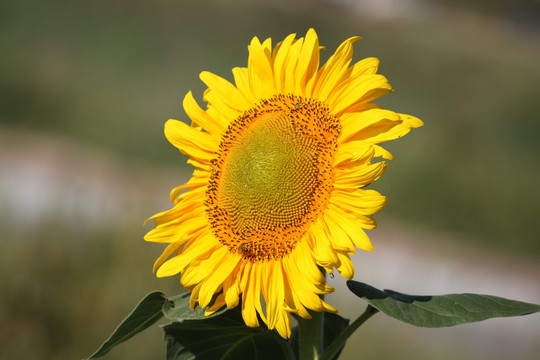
(146, 313)
(178, 308)
(441, 310)
(223, 337)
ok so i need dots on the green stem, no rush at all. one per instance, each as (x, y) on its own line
(333, 349)
(310, 336)
(310, 333)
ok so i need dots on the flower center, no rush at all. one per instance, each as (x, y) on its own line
(273, 176)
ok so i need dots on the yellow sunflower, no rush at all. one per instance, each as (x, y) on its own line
(281, 158)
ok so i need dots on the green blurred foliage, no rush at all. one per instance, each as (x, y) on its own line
(110, 73)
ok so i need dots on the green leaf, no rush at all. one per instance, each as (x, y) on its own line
(333, 326)
(178, 308)
(146, 313)
(223, 337)
(442, 310)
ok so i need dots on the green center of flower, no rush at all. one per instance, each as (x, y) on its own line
(273, 176)
(270, 175)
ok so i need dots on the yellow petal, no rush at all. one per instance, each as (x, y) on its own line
(241, 79)
(359, 176)
(322, 248)
(218, 304)
(411, 121)
(260, 70)
(194, 185)
(291, 62)
(339, 238)
(367, 66)
(303, 257)
(217, 276)
(345, 266)
(304, 291)
(190, 206)
(175, 230)
(360, 89)
(333, 71)
(382, 153)
(274, 286)
(249, 298)
(198, 248)
(231, 287)
(283, 324)
(293, 303)
(260, 273)
(223, 93)
(353, 153)
(169, 250)
(194, 298)
(201, 118)
(308, 61)
(190, 141)
(351, 227)
(406, 124)
(364, 202)
(281, 58)
(367, 124)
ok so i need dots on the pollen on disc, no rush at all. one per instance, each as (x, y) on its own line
(273, 176)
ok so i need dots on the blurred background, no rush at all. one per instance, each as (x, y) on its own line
(86, 86)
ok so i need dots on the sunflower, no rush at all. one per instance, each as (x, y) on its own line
(281, 160)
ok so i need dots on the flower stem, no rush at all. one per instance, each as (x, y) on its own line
(310, 333)
(333, 349)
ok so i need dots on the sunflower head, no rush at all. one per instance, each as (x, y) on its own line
(281, 160)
